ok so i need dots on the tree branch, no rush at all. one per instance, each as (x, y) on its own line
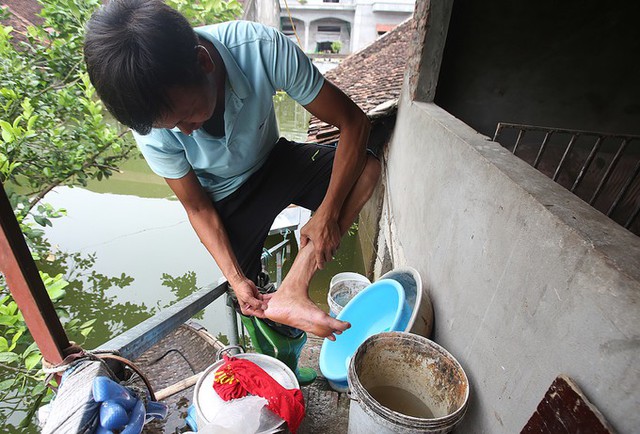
(42, 193)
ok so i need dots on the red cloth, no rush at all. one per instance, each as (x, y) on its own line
(238, 377)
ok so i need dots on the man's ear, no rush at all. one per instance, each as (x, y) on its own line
(205, 61)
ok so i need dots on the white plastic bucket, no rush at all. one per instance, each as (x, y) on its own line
(207, 402)
(342, 288)
(405, 383)
(421, 321)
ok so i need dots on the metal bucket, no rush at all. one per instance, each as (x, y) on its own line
(405, 383)
(342, 288)
(206, 401)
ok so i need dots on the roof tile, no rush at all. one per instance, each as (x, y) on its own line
(369, 77)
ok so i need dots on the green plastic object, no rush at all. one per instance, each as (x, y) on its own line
(268, 341)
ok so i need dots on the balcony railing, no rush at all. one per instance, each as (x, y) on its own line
(602, 169)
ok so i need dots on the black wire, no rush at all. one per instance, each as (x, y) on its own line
(177, 351)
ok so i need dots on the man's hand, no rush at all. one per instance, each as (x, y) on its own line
(325, 235)
(250, 300)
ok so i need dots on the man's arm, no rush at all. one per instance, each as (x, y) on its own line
(334, 107)
(207, 223)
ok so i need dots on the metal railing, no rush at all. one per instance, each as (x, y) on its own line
(602, 169)
(135, 341)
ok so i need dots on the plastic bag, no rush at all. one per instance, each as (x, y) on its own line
(238, 416)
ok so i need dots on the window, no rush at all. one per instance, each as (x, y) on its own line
(324, 47)
(288, 30)
(329, 29)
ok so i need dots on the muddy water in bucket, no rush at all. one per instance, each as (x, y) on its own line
(404, 383)
(400, 400)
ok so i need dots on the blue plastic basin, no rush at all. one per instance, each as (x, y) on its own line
(379, 307)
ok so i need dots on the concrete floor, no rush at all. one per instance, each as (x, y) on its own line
(327, 410)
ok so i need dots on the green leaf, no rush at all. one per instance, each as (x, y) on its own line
(8, 320)
(31, 123)
(56, 288)
(86, 331)
(14, 340)
(32, 360)
(30, 349)
(42, 221)
(7, 384)
(7, 131)
(88, 323)
(8, 357)
(39, 388)
(16, 123)
(4, 345)
(26, 422)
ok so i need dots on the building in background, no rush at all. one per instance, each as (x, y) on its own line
(340, 26)
(262, 11)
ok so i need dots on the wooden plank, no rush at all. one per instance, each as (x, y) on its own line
(177, 387)
(135, 341)
(565, 409)
(27, 288)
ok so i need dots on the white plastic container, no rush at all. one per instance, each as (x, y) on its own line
(207, 401)
(342, 288)
(421, 321)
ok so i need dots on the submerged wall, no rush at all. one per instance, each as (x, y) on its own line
(527, 281)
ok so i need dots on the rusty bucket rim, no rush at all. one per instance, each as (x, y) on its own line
(360, 393)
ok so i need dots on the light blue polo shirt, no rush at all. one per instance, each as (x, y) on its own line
(259, 60)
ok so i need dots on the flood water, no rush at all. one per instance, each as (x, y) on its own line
(138, 252)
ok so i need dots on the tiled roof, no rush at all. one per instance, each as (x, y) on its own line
(370, 77)
(22, 13)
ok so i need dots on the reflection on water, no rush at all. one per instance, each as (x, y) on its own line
(148, 239)
(293, 119)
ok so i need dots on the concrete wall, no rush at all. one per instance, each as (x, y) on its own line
(261, 11)
(370, 13)
(570, 64)
(527, 281)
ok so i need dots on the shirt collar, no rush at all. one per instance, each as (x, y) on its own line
(239, 82)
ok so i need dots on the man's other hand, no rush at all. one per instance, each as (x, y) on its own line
(325, 235)
(251, 302)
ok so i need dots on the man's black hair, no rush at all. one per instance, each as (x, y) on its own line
(135, 51)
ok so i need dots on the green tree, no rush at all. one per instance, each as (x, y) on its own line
(54, 131)
(205, 12)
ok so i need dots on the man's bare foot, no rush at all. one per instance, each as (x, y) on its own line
(301, 312)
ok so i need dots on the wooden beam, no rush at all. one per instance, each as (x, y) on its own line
(27, 288)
